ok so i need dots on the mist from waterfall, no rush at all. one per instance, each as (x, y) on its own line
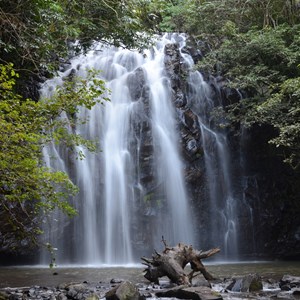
(108, 229)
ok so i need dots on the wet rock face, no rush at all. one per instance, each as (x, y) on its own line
(265, 213)
(189, 130)
(172, 63)
(271, 194)
(176, 72)
(136, 84)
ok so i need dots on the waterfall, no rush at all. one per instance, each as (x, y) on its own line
(136, 190)
(133, 192)
(219, 175)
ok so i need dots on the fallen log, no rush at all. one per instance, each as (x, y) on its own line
(172, 261)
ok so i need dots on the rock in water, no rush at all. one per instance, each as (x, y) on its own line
(249, 283)
(288, 282)
(125, 291)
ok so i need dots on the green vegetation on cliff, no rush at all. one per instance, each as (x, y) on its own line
(28, 189)
(36, 34)
(254, 44)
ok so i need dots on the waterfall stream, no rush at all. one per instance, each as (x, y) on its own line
(223, 226)
(134, 191)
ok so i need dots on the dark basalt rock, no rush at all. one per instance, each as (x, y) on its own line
(136, 83)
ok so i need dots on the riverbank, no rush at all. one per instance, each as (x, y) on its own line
(44, 276)
(39, 281)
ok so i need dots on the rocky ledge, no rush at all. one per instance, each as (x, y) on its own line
(251, 286)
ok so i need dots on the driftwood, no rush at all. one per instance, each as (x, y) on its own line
(172, 261)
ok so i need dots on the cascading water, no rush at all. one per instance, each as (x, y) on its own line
(223, 225)
(167, 159)
(133, 192)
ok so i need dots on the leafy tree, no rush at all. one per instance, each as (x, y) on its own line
(254, 44)
(199, 17)
(28, 189)
(282, 110)
(36, 35)
(257, 60)
(264, 64)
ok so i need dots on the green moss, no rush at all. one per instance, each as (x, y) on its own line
(255, 286)
(3, 296)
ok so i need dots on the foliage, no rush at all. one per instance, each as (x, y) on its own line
(210, 17)
(263, 63)
(254, 44)
(37, 34)
(257, 61)
(282, 110)
(28, 189)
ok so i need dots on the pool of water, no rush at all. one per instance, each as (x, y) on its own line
(44, 276)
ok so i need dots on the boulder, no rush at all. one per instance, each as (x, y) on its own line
(61, 296)
(248, 283)
(289, 282)
(116, 280)
(124, 291)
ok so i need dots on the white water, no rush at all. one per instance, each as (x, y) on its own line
(108, 228)
(169, 166)
(223, 227)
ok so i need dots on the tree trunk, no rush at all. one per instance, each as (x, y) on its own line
(172, 261)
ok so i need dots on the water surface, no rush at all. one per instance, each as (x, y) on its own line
(43, 276)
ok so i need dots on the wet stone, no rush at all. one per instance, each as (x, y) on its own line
(288, 282)
(249, 283)
(116, 280)
(194, 293)
(72, 293)
(125, 290)
(62, 296)
(15, 296)
(296, 292)
(31, 292)
(284, 295)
